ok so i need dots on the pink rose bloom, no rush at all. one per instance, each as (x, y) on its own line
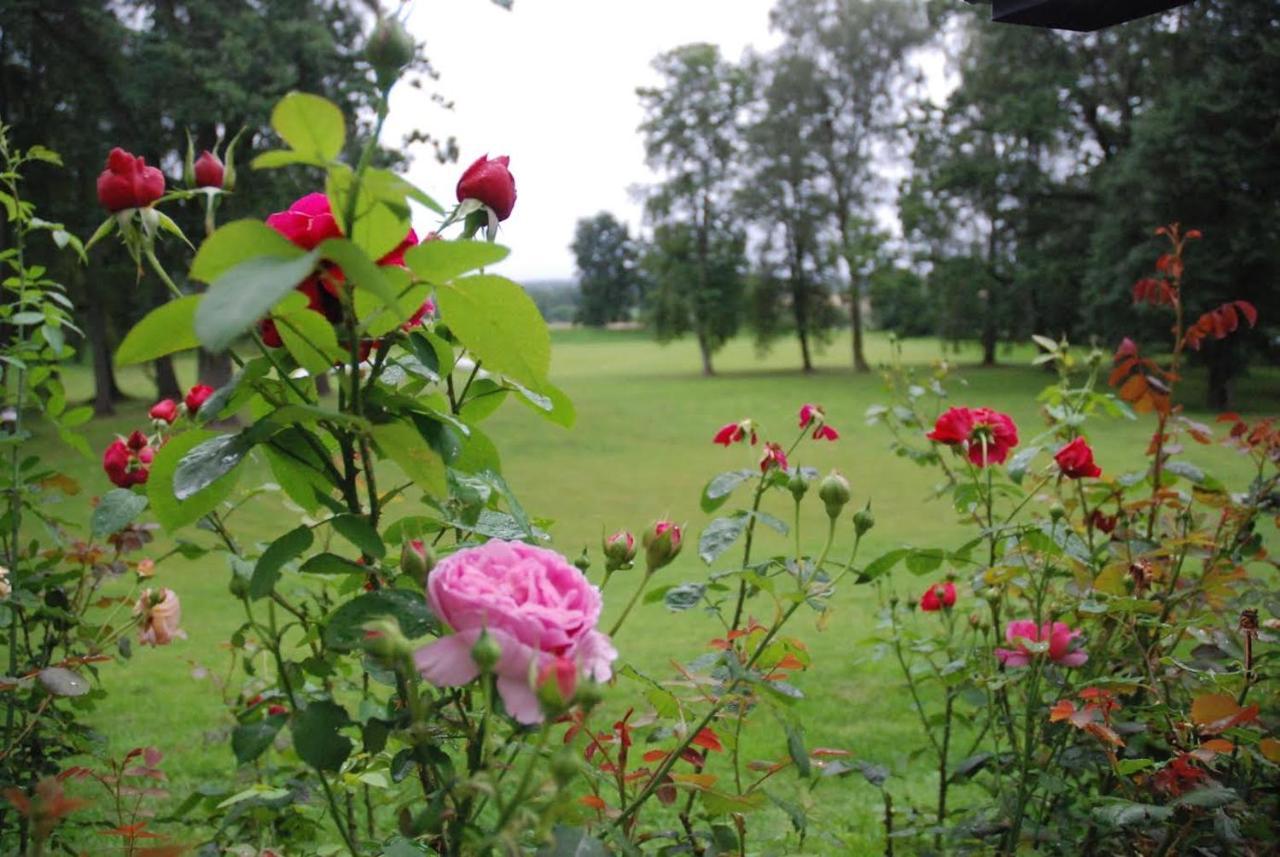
(1057, 634)
(161, 615)
(537, 607)
(308, 222)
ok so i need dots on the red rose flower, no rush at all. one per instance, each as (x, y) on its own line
(1076, 460)
(126, 460)
(809, 413)
(128, 182)
(1101, 522)
(490, 182)
(986, 435)
(165, 409)
(773, 457)
(196, 397)
(307, 222)
(208, 169)
(938, 596)
(730, 434)
(825, 432)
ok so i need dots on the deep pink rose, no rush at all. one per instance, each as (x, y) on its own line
(1076, 460)
(165, 409)
(1058, 635)
(128, 182)
(196, 397)
(490, 182)
(126, 460)
(161, 616)
(532, 602)
(986, 435)
(208, 169)
(938, 596)
(307, 222)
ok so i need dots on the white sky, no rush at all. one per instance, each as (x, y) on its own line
(552, 84)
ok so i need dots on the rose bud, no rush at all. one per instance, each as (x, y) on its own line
(619, 550)
(390, 49)
(565, 766)
(128, 182)
(798, 485)
(556, 684)
(416, 559)
(277, 710)
(583, 562)
(384, 641)
(662, 544)
(164, 411)
(486, 652)
(834, 493)
(196, 397)
(588, 695)
(490, 182)
(863, 521)
(209, 171)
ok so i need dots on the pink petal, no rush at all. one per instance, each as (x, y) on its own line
(447, 662)
(1074, 659)
(596, 655)
(519, 699)
(1013, 659)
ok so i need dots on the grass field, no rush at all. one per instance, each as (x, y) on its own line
(641, 449)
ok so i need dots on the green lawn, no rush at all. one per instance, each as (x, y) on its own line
(642, 449)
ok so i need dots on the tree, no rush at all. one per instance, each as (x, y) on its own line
(858, 51)
(691, 137)
(788, 200)
(607, 275)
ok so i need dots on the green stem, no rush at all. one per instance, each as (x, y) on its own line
(635, 598)
(163, 274)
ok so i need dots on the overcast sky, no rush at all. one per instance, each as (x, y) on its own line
(552, 84)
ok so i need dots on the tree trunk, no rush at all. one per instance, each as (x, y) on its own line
(105, 390)
(705, 348)
(805, 359)
(1221, 391)
(167, 386)
(855, 322)
(989, 346)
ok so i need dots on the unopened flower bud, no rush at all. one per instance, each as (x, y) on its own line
(1057, 511)
(662, 543)
(588, 695)
(863, 521)
(583, 562)
(565, 766)
(384, 641)
(834, 493)
(556, 684)
(416, 559)
(486, 652)
(390, 49)
(798, 485)
(619, 550)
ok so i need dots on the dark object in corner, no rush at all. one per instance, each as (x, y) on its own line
(1083, 15)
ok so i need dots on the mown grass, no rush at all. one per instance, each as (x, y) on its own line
(640, 450)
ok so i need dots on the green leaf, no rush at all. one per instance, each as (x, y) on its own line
(251, 740)
(316, 736)
(344, 629)
(1123, 813)
(284, 549)
(170, 511)
(331, 563)
(380, 225)
(117, 509)
(500, 324)
(360, 533)
(550, 402)
(311, 125)
(795, 747)
(721, 486)
(882, 564)
(237, 242)
(925, 560)
(441, 261)
(1125, 767)
(311, 340)
(724, 803)
(572, 842)
(168, 328)
(402, 443)
(208, 462)
(720, 535)
(359, 269)
(244, 294)
(683, 597)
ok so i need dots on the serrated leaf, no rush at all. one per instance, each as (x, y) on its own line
(236, 242)
(717, 491)
(719, 536)
(441, 261)
(251, 740)
(360, 533)
(316, 737)
(501, 326)
(344, 629)
(209, 461)
(311, 125)
(117, 509)
(331, 563)
(402, 443)
(243, 295)
(284, 549)
(683, 597)
(170, 511)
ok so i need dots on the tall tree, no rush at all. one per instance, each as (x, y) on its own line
(678, 257)
(859, 51)
(789, 201)
(691, 138)
(607, 275)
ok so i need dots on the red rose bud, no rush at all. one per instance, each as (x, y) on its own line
(276, 710)
(164, 411)
(773, 456)
(662, 543)
(128, 182)
(416, 559)
(196, 397)
(938, 596)
(619, 550)
(209, 171)
(834, 493)
(556, 683)
(1076, 460)
(383, 640)
(490, 182)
